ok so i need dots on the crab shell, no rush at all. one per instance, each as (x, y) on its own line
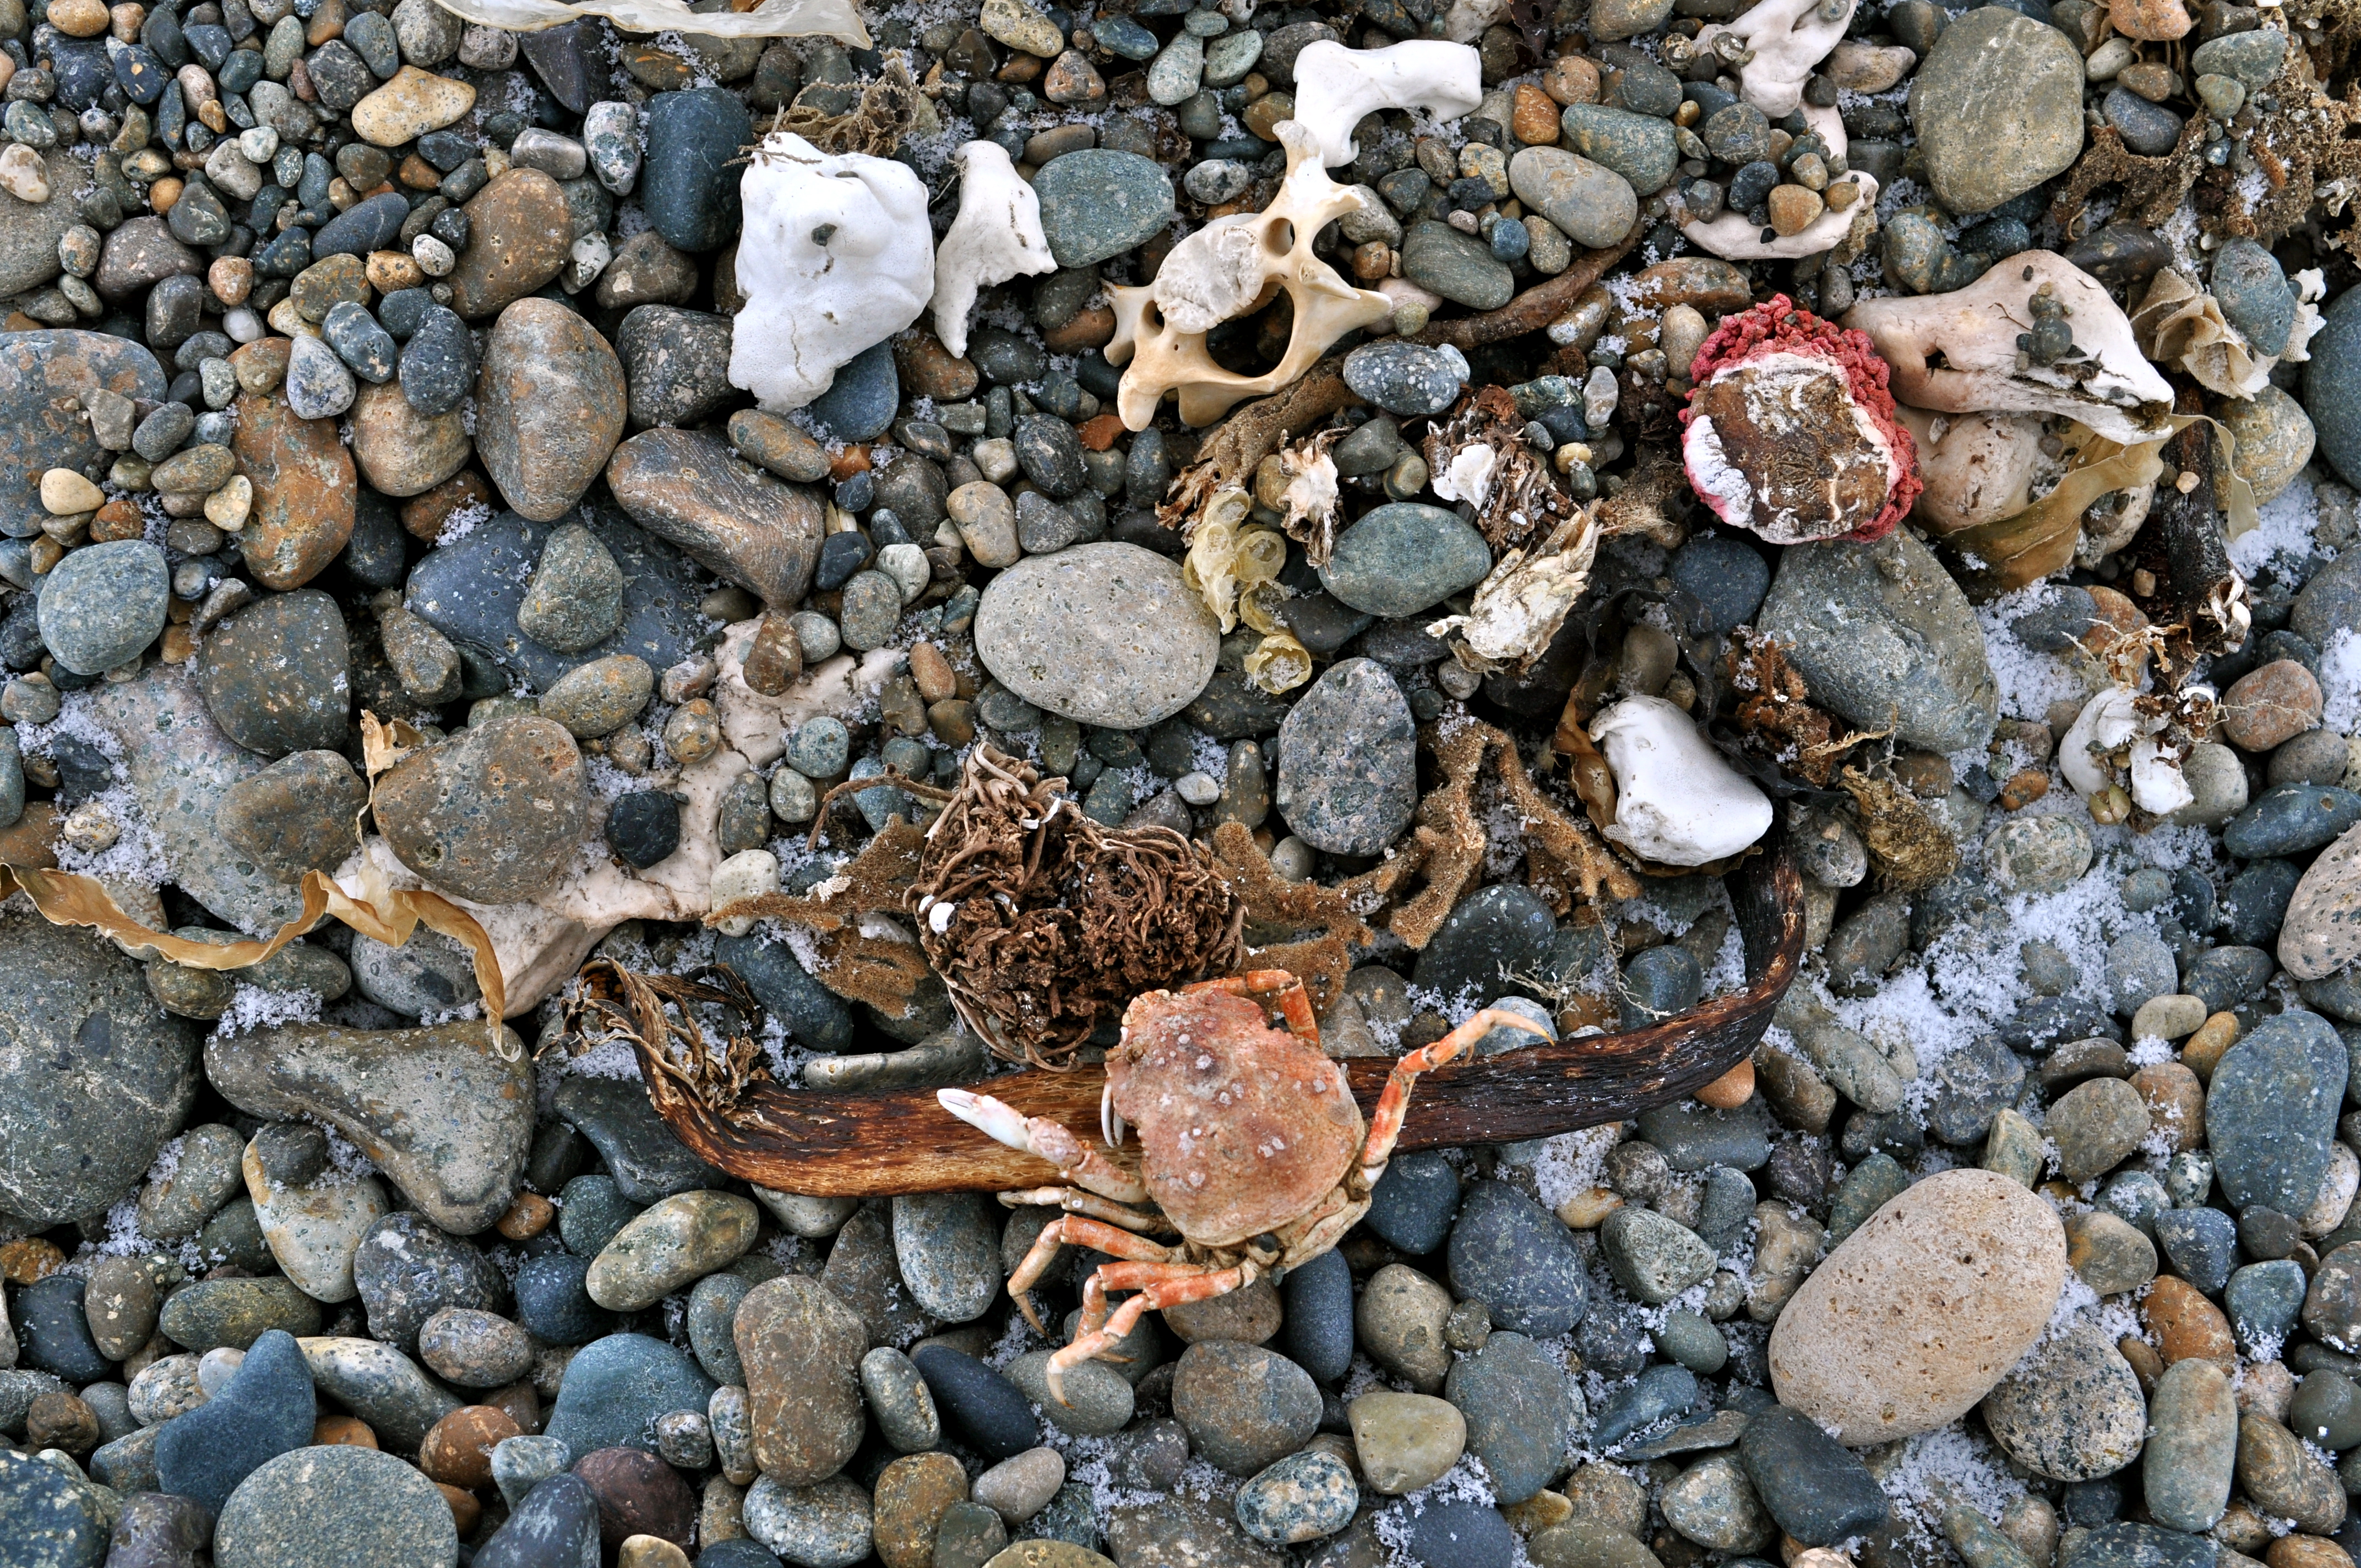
(1243, 1127)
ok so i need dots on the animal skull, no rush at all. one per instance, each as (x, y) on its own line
(1231, 267)
(1956, 353)
(836, 257)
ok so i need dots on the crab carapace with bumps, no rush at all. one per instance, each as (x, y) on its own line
(1251, 1147)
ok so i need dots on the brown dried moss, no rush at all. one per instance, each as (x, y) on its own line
(1909, 849)
(859, 960)
(654, 1014)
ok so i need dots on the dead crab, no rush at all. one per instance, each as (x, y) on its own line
(1251, 1146)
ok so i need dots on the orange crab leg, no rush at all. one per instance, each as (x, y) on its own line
(1172, 1284)
(1080, 1232)
(1293, 1003)
(1076, 1202)
(1386, 1121)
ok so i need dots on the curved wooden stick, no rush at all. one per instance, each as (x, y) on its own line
(867, 1145)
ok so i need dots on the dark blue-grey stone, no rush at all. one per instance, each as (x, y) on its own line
(1694, 1136)
(1658, 983)
(556, 1526)
(2224, 977)
(1405, 557)
(368, 350)
(1348, 760)
(407, 1271)
(643, 827)
(2285, 819)
(552, 1303)
(1052, 453)
(105, 603)
(615, 1387)
(53, 1333)
(1727, 576)
(2202, 1244)
(1461, 1535)
(471, 588)
(2270, 1111)
(1511, 1254)
(364, 227)
(1412, 1205)
(2148, 129)
(1975, 1082)
(819, 1019)
(2253, 59)
(688, 184)
(335, 1503)
(1504, 928)
(2331, 386)
(1317, 1329)
(2253, 290)
(266, 1409)
(2262, 1299)
(1520, 1407)
(990, 1411)
(1656, 1394)
(1641, 148)
(52, 1522)
(438, 362)
(276, 676)
(646, 1160)
(1407, 378)
(591, 1211)
(1818, 1489)
(1098, 204)
(859, 404)
(2124, 1545)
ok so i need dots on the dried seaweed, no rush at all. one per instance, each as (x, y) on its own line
(1319, 960)
(890, 108)
(861, 955)
(1908, 848)
(653, 1013)
(1776, 718)
(2153, 188)
(1044, 924)
(1650, 503)
(1237, 447)
(1515, 495)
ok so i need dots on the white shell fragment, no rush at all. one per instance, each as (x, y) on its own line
(1676, 801)
(838, 19)
(1956, 353)
(1336, 88)
(996, 236)
(1788, 37)
(837, 255)
(2111, 723)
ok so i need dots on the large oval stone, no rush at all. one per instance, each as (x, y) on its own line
(549, 407)
(1099, 203)
(1405, 557)
(306, 491)
(520, 230)
(802, 1347)
(401, 451)
(1594, 205)
(727, 516)
(1103, 633)
(490, 814)
(276, 676)
(1925, 1307)
(1998, 108)
(1348, 760)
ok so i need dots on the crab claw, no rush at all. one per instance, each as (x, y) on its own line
(1110, 1119)
(995, 1120)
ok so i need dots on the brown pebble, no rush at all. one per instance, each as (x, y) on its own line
(2187, 1326)
(2204, 1048)
(1089, 328)
(61, 1420)
(522, 1400)
(638, 1495)
(118, 519)
(527, 1217)
(1571, 80)
(347, 1431)
(2024, 787)
(843, 466)
(2147, 1366)
(464, 1509)
(1532, 117)
(2151, 21)
(930, 371)
(458, 1448)
(2265, 708)
(2176, 1103)
(31, 1259)
(422, 516)
(1793, 208)
(935, 677)
(1733, 1088)
(1100, 432)
(2306, 1551)
(774, 660)
(912, 1496)
(649, 1551)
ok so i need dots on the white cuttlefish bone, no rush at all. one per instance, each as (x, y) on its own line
(1336, 88)
(837, 255)
(1676, 801)
(996, 236)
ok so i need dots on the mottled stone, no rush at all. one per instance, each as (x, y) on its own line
(802, 1347)
(1103, 633)
(729, 517)
(491, 814)
(306, 491)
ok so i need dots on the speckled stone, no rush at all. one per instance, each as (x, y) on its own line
(1244, 1407)
(1641, 148)
(668, 1245)
(1592, 203)
(615, 1387)
(1405, 557)
(2072, 1410)
(801, 1346)
(1998, 108)
(2270, 1111)
(490, 814)
(1510, 1255)
(1098, 204)
(1299, 1498)
(306, 491)
(1102, 633)
(1347, 764)
(276, 675)
(104, 603)
(550, 407)
(2186, 1466)
(335, 1503)
(520, 229)
(1406, 378)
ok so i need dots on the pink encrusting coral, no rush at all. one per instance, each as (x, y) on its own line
(1791, 432)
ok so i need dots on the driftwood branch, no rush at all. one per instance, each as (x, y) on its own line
(901, 1140)
(1537, 306)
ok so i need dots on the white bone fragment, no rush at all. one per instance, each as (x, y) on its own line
(1676, 801)
(1336, 88)
(1729, 234)
(1956, 353)
(836, 256)
(1788, 37)
(996, 236)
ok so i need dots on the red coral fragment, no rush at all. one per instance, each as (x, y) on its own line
(1778, 326)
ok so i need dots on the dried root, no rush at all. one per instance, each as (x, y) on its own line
(654, 1015)
(1237, 447)
(1044, 924)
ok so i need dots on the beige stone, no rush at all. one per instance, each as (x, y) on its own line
(1922, 1311)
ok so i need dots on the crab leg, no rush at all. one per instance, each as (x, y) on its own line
(1075, 1161)
(1075, 1202)
(1080, 1232)
(1293, 1003)
(1386, 1121)
(1168, 1285)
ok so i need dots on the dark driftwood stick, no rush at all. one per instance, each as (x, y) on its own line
(1537, 306)
(901, 1140)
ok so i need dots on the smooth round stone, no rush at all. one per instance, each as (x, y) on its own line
(276, 675)
(2148, 129)
(2037, 854)
(1693, 1341)
(590, 1210)
(991, 1413)
(2073, 1411)
(1413, 1203)
(947, 1247)
(1714, 1505)
(1998, 106)
(551, 407)
(1405, 1442)
(1405, 557)
(2285, 819)
(859, 404)
(335, 1503)
(553, 1302)
(1592, 204)
(1728, 575)
(1347, 761)
(897, 1397)
(871, 609)
(1504, 927)
(2095, 1126)
(712, 1310)
(1461, 1535)
(2186, 1468)
(2262, 1299)
(1511, 1255)
(474, 1348)
(489, 814)
(1243, 1407)
(2200, 1245)
(233, 1312)
(687, 184)
(1654, 1258)
(1097, 203)
(2270, 1111)
(104, 604)
(1098, 1401)
(2279, 1477)
(1301, 1497)
(643, 828)
(1968, 1249)
(1407, 378)
(1460, 268)
(669, 1244)
(1519, 1404)
(437, 367)
(2109, 1254)
(1021, 1485)
(615, 1387)
(2326, 1410)
(817, 1016)
(1641, 149)
(2320, 933)
(801, 1346)
(1104, 633)
(1400, 1321)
